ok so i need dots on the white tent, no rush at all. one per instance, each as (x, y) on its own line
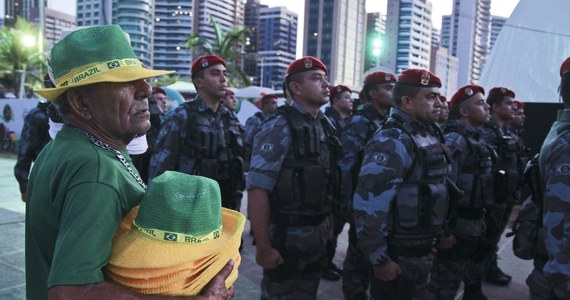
(183, 87)
(528, 53)
(253, 92)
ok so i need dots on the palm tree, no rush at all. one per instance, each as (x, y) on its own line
(21, 63)
(226, 46)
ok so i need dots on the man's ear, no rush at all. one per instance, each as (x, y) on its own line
(295, 88)
(78, 103)
(407, 102)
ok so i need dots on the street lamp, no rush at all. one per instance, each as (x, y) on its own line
(262, 59)
(376, 50)
(28, 41)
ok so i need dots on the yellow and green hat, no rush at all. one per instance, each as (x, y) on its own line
(92, 55)
(179, 240)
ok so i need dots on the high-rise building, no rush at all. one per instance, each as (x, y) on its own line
(334, 32)
(375, 30)
(134, 17)
(445, 33)
(173, 22)
(56, 22)
(497, 24)
(251, 23)
(469, 35)
(444, 66)
(26, 9)
(277, 45)
(408, 35)
(227, 13)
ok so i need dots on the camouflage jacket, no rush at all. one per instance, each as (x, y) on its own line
(555, 169)
(35, 135)
(358, 130)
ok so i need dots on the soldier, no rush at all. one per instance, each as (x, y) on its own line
(377, 98)
(444, 113)
(405, 160)
(35, 135)
(268, 105)
(229, 101)
(554, 165)
(506, 173)
(340, 107)
(471, 170)
(202, 137)
(291, 186)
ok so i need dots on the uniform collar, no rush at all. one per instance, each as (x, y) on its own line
(563, 115)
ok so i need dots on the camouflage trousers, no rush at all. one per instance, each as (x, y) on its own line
(539, 287)
(447, 274)
(357, 271)
(304, 254)
(412, 283)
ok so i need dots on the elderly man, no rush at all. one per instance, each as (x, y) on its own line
(83, 184)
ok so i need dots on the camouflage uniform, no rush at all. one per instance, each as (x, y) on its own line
(252, 124)
(471, 171)
(294, 160)
(195, 140)
(507, 180)
(404, 160)
(335, 119)
(555, 169)
(35, 135)
(359, 129)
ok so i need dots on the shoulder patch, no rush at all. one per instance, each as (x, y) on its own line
(563, 169)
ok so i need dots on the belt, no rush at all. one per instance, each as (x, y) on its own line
(417, 251)
(300, 221)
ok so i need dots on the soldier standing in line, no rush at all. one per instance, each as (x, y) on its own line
(377, 98)
(338, 112)
(550, 278)
(35, 135)
(268, 105)
(471, 171)
(506, 176)
(292, 183)
(401, 200)
(202, 137)
(444, 112)
(516, 127)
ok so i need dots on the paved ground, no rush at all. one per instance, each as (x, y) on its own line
(12, 276)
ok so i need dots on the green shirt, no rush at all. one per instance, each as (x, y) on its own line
(77, 195)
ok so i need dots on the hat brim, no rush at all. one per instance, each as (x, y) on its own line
(123, 74)
(152, 266)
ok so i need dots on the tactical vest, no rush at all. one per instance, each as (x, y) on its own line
(212, 153)
(421, 205)
(309, 178)
(506, 172)
(475, 177)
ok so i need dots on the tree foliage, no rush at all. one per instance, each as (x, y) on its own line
(17, 55)
(228, 46)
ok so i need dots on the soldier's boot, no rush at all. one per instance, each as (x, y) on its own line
(473, 292)
(330, 275)
(493, 274)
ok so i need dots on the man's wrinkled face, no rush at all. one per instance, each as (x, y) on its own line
(119, 109)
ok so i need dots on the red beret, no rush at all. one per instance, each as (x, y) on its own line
(565, 67)
(158, 89)
(442, 99)
(230, 92)
(465, 93)
(339, 89)
(268, 96)
(518, 104)
(419, 78)
(379, 77)
(502, 91)
(206, 61)
(305, 63)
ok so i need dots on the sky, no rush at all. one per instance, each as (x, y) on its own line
(502, 8)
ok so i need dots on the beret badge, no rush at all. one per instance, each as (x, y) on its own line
(308, 63)
(469, 92)
(425, 78)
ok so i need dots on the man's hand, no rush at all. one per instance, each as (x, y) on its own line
(216, 288)
(387, 272)
(268, 258)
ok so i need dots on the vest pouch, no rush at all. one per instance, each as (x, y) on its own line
(438, 203)
(208, 168)
(289, 189)
(314, 189)
(407, 206)
(483, 191)
(466, 181)
(500, 185)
